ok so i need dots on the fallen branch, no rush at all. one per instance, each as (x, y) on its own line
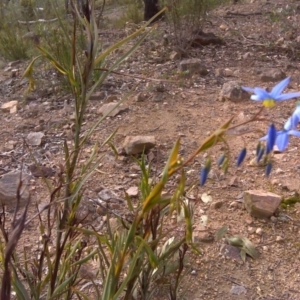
(38, 21)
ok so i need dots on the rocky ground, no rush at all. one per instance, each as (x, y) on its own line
(189, 101)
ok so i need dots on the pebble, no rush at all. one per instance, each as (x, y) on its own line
(259, 231)
(279, 239)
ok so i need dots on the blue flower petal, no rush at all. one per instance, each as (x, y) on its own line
(288, 96)
(268, 169)
(241, 156)
(264, 138)
(203, 176)
(294, 133)
(288, 124)
(272, 134)
(247, 89)
(282, 140)
(278, 88)
(295, 119)
(262, 94)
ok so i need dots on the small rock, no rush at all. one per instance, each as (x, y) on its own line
(273, 219)
(35, 138)
(107, 194)
(233, 204)
(217, 204)
(230, 251)
(272, 75)
(193, 272)
(206, 198)
(98, 96)
(233, 181)
(291, 184)
(11, 107)
(133, 191)
(238, 290)
(202, 237)
(251, 230)
(228, 73)
(160, 88)
(174, 55)
(223, 27)
(41, 171)
(279, 239)
(9, 184)
(193, 65)
(247, 55)
(106, 108)
(219, 72)
(140, 97)
(111, 98)
(261, 204)
(138, 144)
(10, 145)
(259, 231)
(232, 91)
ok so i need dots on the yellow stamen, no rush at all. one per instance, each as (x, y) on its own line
(269, 103)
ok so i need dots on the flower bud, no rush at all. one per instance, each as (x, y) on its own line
(241, 156)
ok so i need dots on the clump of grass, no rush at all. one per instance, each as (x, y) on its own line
(186, 17)
(133, 13)
(12, 45)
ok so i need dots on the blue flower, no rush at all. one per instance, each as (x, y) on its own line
(269, 168)
(204, 172)
(275, 95)
(293, 121)
(282, 136)
(272, 133)
(241, 156)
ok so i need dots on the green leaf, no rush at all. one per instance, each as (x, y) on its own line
(249, 248)
(153, 260)
(235, 241)
(215, 137)
(221, 233)
(243, 255)
(20, 289)
(62, 286)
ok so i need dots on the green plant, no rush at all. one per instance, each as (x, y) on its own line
(12, 45)
(186, 17)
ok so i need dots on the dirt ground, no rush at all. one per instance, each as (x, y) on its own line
(259, 36)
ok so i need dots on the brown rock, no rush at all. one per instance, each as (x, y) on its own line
(10, 106)
(232, 91)
(106, 108)
(41, 171)
(9, 184)
(138, 144)
(272, 75)
(230, 251)
(193, 65)
(133, 191)
(261, 204)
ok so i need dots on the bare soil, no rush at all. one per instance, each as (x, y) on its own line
(259, 36)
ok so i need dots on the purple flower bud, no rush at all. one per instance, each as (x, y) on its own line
(268, 169)
(271, 138)
(260, 154)
(241, 156)
(203, 176)
(204, 172)
(221, 160)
